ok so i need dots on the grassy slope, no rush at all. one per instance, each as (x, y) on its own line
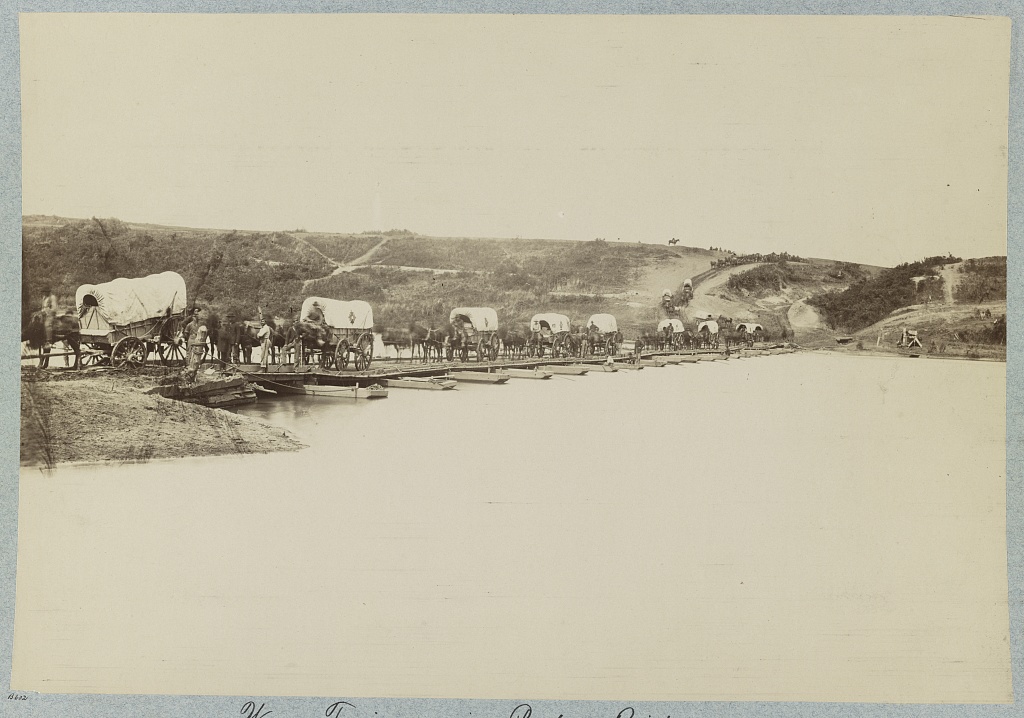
(276, 270)
(518, 277)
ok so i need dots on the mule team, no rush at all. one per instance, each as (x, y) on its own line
(232, 340)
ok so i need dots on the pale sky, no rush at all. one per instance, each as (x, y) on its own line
(877, 139)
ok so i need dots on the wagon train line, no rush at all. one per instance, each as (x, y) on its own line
(328, 348)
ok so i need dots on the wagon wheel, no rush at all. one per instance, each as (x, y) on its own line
(481, 353)
(365, 355)
(341, 354)
(327, 358)
(464, 352)
(494, 347)
(96, 356)
(449, 352)
(129, 352)
(610, 347)
(171, 353)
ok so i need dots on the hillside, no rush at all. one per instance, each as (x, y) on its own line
(406, 277)
(409, 277)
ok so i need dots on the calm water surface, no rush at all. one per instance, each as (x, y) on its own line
(758, 525)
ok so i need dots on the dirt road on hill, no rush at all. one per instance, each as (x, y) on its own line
(341, 268)
(706, 300)
(950, 278)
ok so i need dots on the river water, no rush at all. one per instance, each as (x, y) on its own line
(806, 526)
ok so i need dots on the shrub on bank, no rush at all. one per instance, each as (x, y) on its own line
(763, 278)
(872, 299)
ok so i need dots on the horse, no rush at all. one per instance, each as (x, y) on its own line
(686, 340)
(513, 343)
(284, 340)
(397, 338)
(212, 322)
(248, 339)
(66, 328)
(433, 343)
(453, 343)
(417, 339)
(307, 335)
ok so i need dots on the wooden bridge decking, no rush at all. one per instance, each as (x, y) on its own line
(385, 369)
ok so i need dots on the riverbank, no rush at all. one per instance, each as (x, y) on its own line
(981, 352)
(107, 417)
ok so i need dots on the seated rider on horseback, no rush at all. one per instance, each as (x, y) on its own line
(314, 322)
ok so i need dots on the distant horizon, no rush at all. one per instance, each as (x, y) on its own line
(664, 243)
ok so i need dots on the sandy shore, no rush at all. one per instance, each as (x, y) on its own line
(66, 417)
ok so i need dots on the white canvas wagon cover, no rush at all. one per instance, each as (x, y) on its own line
(605, 323)
(355, 314)
(124, 301)
(749, 327)
(677, 326)
(711, 325)
(556, 322)
(483, 319)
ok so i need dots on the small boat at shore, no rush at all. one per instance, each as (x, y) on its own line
(683, 359)
(415, 382)
(528, 373)
(479, 377)
(342, 392)
(671, 359)
(652, 362)
(570, 369)
(631, 367)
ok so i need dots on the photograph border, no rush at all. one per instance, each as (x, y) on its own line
(187, 706)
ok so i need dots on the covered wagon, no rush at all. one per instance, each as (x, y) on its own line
(473, 329)
(603, 334)
(668, 304)
(336, 332)
(672, 333)
(707, 334)
(124, 320)
(549, 332)
(749, 332)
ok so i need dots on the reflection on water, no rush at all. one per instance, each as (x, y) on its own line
(699, 525)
